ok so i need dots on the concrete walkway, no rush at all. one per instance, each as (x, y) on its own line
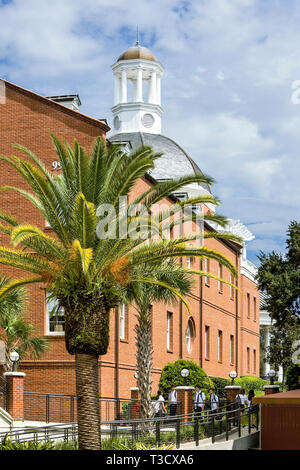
(246, 441)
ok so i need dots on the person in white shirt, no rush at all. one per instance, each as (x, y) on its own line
(199, 401)
(214, 401)
(172, 401)
(160, 408)
(242, 402)
(242, 399)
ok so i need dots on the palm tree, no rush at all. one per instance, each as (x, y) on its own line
(171, 278)
(15, 332)
(83, 264)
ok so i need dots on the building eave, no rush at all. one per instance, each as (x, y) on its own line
(83, 117)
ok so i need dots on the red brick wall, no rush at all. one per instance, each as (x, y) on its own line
(27, 119)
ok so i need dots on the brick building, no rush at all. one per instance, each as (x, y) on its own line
(223, 332)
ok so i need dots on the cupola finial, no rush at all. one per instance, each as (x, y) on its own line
(137, 36)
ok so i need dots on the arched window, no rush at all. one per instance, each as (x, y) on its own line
(190, 335)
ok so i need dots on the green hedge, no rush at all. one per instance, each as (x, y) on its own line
(219, 385)
(171, 375)
(251, 383)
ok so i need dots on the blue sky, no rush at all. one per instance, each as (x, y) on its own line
(226, 90)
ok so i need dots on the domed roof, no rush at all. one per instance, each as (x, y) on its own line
(137, 52)
(174, 163)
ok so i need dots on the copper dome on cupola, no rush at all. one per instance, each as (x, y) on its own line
(137, 52)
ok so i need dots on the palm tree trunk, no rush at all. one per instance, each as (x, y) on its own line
(144, 363)
(88, 410)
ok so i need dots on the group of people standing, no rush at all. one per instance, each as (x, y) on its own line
(200, 402)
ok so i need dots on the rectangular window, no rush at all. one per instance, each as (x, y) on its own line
(206, 269)
(248, 359)
(55, 316)
(123, 322)
(206, 342)
(231, 288)
(248, 305)
(188, 262)
(254, 308)
(231, 349)
(254, 361)
(151, 321)
(220, 346)
(169, 331)
(220, 274)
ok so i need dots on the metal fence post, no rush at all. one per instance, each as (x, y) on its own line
(196, 430)
(72, 410)
(249, 420)
(227, 425)
(157, 432)
(213, 437)
(47, 408)
(178, 433)
(239, 422)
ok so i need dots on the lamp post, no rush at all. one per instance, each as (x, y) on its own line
(272, 374)
(14, 357)
(184, 374)
(232, 375)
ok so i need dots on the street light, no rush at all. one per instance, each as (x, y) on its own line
(184, 374)
(272, 374)
(232, 375)
(14, 357)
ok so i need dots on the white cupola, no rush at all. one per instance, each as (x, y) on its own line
(137, 103)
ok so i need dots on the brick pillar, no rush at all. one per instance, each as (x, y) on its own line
(270, 389)
(185, 399)
(15, 394)
(231, 392)
(134, 395)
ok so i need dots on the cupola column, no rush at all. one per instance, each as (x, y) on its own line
(117, 89)
(124, 87)
(158, 90)
(152, 88)
(139, 90)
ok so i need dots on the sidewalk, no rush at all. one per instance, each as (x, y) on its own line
(234, 443)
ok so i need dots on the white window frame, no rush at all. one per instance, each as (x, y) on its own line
(220, 274)
(122, 321)
(48, 332)
(231, 349)
(206, 342)
(220, 345)
(189, 336)
(168, 330)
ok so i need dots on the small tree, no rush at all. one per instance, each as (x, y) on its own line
(171, 375)
(15, 332)
(281, 348)
(293, 377)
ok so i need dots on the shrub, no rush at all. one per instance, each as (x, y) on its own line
(171, 375)
(292, 380)
(219, 385)
(7, 444)
(251, 383)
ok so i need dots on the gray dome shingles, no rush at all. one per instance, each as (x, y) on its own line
(175, 161)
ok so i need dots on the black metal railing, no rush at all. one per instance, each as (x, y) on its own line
(154, 431)
(58, 408)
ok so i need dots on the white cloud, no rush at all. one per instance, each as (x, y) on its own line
(220, 76)
(245, 133)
